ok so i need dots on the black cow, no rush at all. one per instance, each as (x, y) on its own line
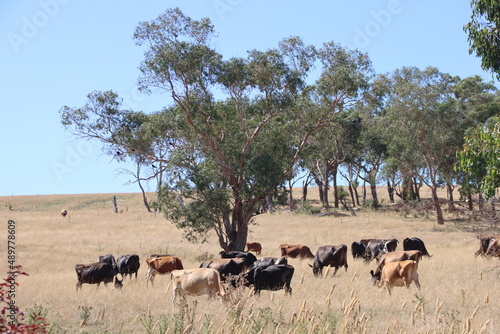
(249, 257)
(334, 256)
(95, 273)
(357, 250)
(226, 267)
(415, 244)
(128, 265)
(391, 245)
(274, 277)
(108, 258)
(376, 247)
(268, 261)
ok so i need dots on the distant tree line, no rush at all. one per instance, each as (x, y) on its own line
(241, 130)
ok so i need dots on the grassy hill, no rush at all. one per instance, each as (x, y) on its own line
(459, 293)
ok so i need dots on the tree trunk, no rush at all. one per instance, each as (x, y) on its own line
(326, 187)
(364, 191)
(451, 204)
(356, 195)
(416, 190)
(390, 190)
(373, 189)
(144, 198)
(291, 202)
(237, 230)
(351, 192)
(304, 191)
(437, 206)
(335, 192)
(469, 200)
(320, 190)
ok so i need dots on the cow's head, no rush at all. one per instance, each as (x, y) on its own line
(317, 268)
(375, 276)
(118, 283)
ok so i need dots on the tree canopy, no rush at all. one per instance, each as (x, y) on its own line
(484, 33)
(237, 126)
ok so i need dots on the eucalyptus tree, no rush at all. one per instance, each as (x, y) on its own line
(479, 157)
(424, 124)
(323, 157)
(236, 127)
(368, 148)
(479, 101)
(483, 33)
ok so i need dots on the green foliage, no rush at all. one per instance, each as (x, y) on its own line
(480, 157)
(483, 33)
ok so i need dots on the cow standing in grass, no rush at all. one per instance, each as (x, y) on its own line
(399, 273)
(197, 282)
(96, 273)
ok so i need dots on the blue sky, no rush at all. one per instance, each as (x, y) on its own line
(55, 52)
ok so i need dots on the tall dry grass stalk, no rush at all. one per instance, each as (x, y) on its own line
(453, 298)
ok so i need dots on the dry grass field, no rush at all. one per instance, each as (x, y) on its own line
(457, 296)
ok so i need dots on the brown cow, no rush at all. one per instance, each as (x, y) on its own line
(161, 265)
(414, 255)
(64, 212)
(295, 251)
(197, 282)
(254, 247)
(399, 273)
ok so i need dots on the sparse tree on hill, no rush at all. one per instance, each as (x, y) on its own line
(423, 122)
(239, 125)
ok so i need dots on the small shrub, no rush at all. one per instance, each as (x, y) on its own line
(85, 314)
(12, 319)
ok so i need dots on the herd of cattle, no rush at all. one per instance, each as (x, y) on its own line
(394, 268)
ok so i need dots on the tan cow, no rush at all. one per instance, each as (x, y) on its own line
(399, 273)
(295, 251)
(161, 265)
(414, 255)
(254, 247)
(197, 282)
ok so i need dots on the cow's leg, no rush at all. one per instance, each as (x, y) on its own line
(288, 290)
(417, 283)
(335, 271)
(78, 285)
(150, 276)
(388, 288)
(174, 295)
